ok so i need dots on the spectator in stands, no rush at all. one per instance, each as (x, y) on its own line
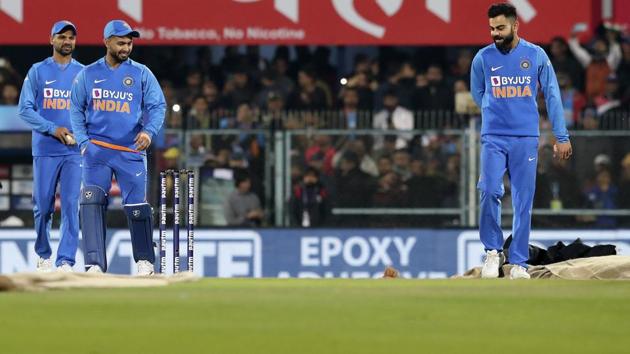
(603, 195)
(563, 61)
(350, 117)
(322, 144)
(564, 184)
(604, 59)
(461, 69)
(309, 205)
(353, 187)
(273, 117)
(242, 207)
(198, 152)
(199, 114)
(391, 192)
(361, 82)
(424, 190)
(557, 187)
(384, 165)
(10, 95)
(220, 159)
(192, 90)
(406, 84)
(210, 92)
(280, 67)
(393, 117)
(8, 75)
(572, 99)
(268, 82)
(402, 164)
(238, 89)
(357, 146)
(308, 96)
(436, 95)
(388, 148)
(389, 86)
(609, 99)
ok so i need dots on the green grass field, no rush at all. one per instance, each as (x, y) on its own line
(323, 316)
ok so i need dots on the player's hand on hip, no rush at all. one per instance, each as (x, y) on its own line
(562, 150)
(142, 141)
(64, 136)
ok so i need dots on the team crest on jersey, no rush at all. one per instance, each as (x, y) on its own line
(525, 64)
(128, 81)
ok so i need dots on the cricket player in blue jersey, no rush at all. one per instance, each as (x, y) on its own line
(109, 99)
(44, 105)
(505, 77)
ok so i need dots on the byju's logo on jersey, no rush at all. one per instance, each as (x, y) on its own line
(511, 86)
(56, 99)
(111, 101)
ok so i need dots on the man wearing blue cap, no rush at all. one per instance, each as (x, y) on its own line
(110, 97)
(44, 105)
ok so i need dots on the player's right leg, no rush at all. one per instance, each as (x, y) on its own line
(97, 179)
(70, 191)
(493, 167)
(45, 175)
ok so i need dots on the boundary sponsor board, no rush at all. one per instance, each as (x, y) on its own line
(310, 253)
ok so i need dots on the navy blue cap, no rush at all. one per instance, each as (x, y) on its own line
(62, 26)
(119, 28)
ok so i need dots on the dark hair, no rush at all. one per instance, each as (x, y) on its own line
(311, 171)
(240, 176)
(390, 92)
(502, 8)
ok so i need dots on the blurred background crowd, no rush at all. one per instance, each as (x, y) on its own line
(375, 127)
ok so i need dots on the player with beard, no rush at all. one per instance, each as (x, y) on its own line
(110, 97)
(504, 82)
(44, 105)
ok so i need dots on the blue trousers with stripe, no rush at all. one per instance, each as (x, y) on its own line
(518, 156)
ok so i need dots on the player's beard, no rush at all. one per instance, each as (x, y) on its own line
(506, 44)
(120, 56)
(64, 49)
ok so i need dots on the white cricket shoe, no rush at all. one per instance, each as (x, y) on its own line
(44, 265)
(65, 268)
(145, 268)
(519, 272)
(94, 269)
(491, 264)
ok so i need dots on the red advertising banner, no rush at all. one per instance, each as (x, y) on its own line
(344, 22)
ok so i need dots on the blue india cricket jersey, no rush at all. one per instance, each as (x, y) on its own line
(108, 104)
(45, 104)
(505, 87)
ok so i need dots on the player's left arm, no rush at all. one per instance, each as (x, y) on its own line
(555, 111)
(153, 106)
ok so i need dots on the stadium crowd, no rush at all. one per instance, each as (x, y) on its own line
(398, 91)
